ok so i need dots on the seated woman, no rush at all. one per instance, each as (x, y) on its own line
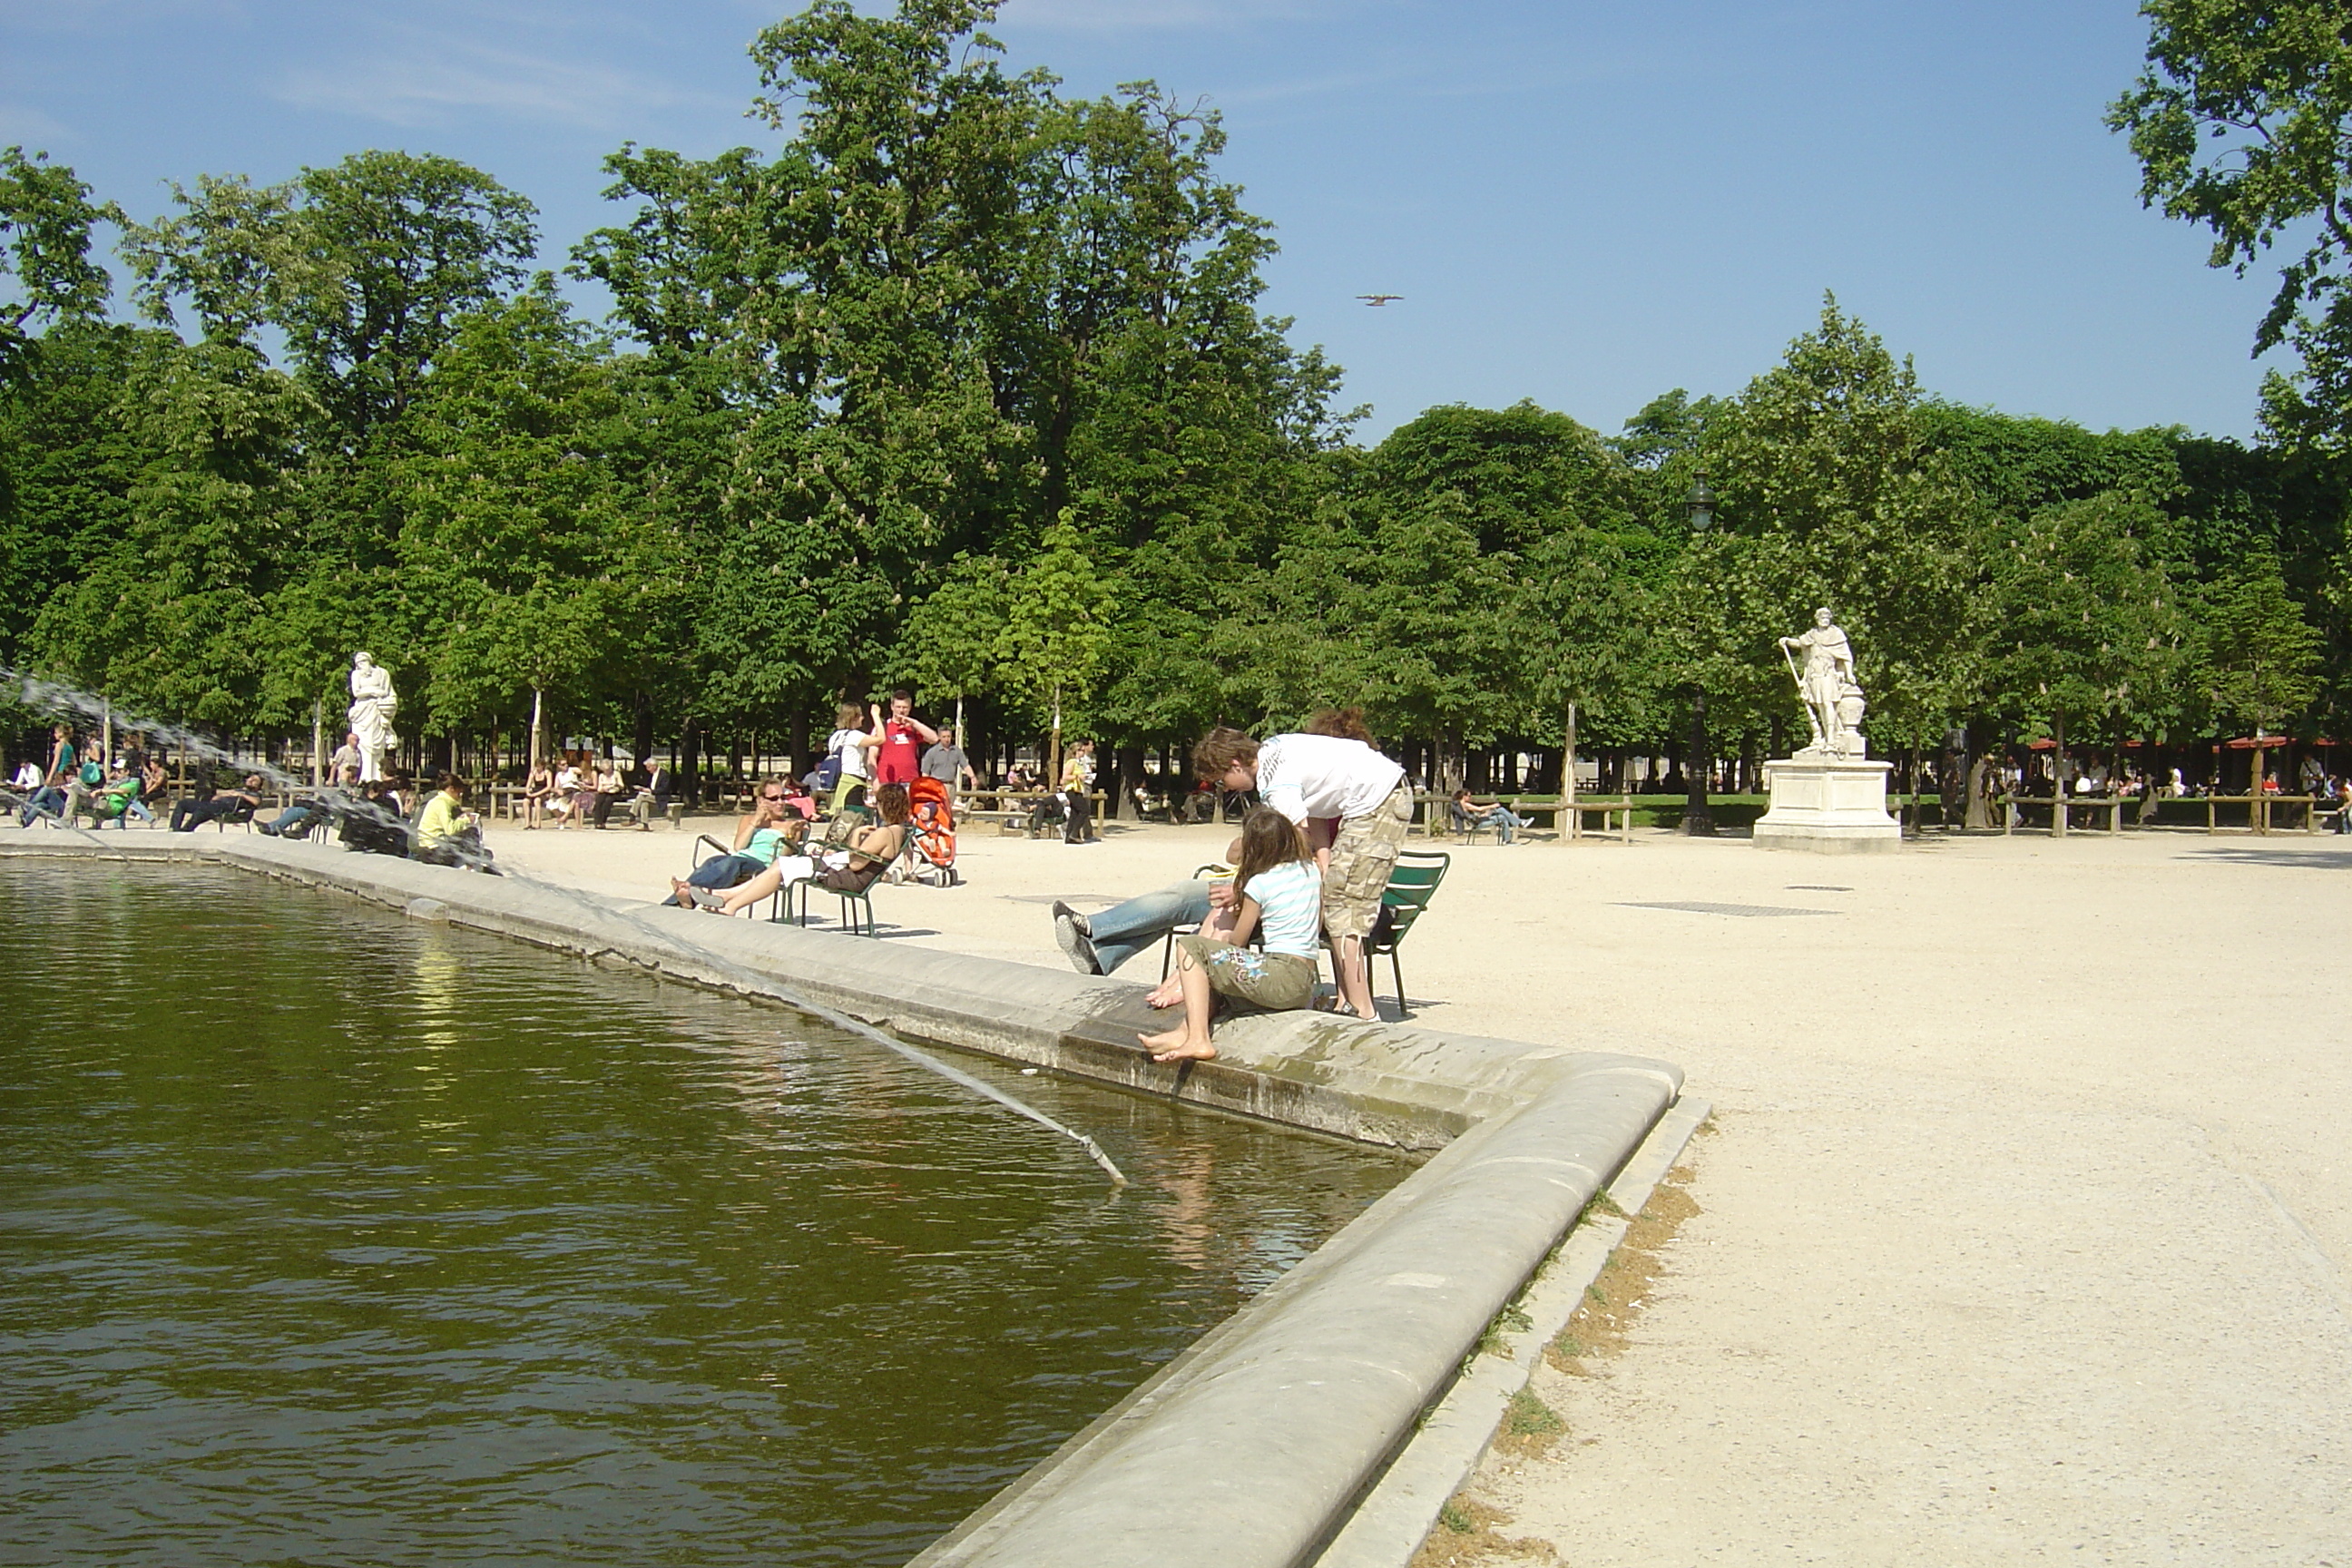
(772, 827)
(1494, 813)
(565, 790)
(449, 835)
(538, 788)
(850, 869)
(1281, 899)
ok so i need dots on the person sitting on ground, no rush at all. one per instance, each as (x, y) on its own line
(1280, 898)
(1326, 775)
(449, 835)
(772, 827)
(1469, 813)
(193, 813)
(852, 868)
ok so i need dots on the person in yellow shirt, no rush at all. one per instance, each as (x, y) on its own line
(449, 835)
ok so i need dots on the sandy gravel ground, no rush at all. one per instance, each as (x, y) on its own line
(2025, 1227)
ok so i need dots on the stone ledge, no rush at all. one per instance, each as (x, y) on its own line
(1279, 1420)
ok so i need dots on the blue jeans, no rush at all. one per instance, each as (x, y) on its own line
(46, 801)
(725, 871)
(1121, 931)
(295, 820)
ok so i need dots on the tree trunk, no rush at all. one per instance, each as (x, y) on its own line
(1568, 772)
(2058, 778)
(1052, 778)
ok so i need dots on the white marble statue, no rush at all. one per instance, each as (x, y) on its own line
(373, 704)
(1833, 696)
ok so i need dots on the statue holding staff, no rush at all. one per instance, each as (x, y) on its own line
(373, 704)
(1833, 696)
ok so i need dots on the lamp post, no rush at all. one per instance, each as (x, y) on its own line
(1699, 822)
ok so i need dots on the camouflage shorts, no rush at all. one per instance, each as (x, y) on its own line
(1362, 856)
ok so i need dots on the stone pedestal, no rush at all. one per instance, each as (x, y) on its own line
(1828, 804)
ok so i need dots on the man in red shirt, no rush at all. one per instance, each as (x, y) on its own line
(898, 753)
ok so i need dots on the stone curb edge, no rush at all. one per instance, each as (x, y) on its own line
(1286, 1414)
(1390, 1525)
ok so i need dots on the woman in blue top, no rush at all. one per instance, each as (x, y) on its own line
(1281, 900)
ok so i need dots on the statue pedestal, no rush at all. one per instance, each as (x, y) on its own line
(1828, 804)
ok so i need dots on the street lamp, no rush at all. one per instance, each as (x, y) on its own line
(1699, 822)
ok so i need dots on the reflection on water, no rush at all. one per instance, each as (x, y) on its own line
(326, 1238)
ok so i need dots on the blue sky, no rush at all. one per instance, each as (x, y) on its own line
(1585, 203)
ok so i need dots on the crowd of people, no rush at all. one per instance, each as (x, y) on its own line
(577, 790)
(81, 781)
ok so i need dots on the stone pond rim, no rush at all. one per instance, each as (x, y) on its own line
(1287, 1413)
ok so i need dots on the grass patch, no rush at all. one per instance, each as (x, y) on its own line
(1465, 1535)
(1604, 1319)
(1529, 1427)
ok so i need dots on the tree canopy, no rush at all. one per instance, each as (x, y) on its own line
(956, 380)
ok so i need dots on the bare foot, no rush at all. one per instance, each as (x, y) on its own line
(1167, 994)
(1176, 1045)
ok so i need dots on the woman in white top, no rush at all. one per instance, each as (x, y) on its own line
(566, 797)
(852, 743)
(1281, 899)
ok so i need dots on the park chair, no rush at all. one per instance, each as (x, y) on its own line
(1465, 827)
(242, 816)
(1167, 948)
(856, 908)
(1411, 884)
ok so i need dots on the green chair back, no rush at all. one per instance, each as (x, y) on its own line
(1411, 884)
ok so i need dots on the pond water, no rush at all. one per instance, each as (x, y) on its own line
(329, 1238)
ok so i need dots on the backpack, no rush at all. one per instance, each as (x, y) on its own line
(827, 774)
(91, 773)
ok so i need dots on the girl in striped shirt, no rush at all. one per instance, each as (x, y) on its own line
(1281, 900)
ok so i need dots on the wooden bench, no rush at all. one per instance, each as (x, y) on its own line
(1616, 813)
(1010, 812)
(2012, 810)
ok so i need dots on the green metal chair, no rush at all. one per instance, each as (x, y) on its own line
(1411, 885)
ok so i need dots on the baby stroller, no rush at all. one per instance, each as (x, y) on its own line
(931, 847)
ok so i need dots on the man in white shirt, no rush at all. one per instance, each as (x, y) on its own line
(1305, 776)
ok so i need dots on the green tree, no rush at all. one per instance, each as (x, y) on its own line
(2261, 656)
(363, 267)
(46, 219)
(1057, 631)
(1824, 464)
(2242, 124)
(2081, 626)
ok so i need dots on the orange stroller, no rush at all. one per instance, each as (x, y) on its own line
(931, 847)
